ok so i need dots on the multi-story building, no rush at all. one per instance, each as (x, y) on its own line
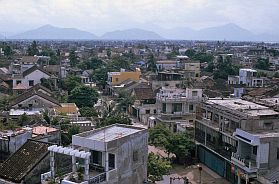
(237, 139)
(109, 155)
(192, 68)
(247, 77)
(176, 106)
(115, 78)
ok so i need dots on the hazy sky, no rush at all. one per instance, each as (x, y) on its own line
(99, 16)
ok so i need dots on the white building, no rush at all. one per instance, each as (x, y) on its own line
(177, 106)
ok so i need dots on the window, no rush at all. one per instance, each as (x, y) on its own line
(31, 83)
(191, 107)
(18, 82)
(194, 93)
(19, 105)
(116, 79)
(177, 107)
(111, 161)
(277, 153)
(135, 156)
(155, 111)
(96, 157)
(255, 149)
(164, 109)
(147, 112)
(30, 105)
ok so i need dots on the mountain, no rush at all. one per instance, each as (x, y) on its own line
(132, 34)
(226, 32)
(49, 32)
(231, 32)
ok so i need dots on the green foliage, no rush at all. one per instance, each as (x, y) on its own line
(93, 63)
(115, 119)
(12, 125)
(54, 56)
(88, 112)
(70, 82)
(157, 167)
(83, 96)
(276, 75)
(262, 64)
(201, 56)
(180, 144)
(100, 76)
(48, 83)
(66, 138)
(224, 68)
(158, 136)
(125, 100)
(73, 59)
(8, 51)
(32, 49)
(119, 62)
(46, 117)
(151, 63)
(24, 119)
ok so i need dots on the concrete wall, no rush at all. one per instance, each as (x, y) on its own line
(130, 170)
(36, 76)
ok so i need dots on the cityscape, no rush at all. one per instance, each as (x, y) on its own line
(134, 92)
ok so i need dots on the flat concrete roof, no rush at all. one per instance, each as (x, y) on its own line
(249, 108)
(111, 133)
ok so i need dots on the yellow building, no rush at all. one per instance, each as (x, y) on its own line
(115, 78)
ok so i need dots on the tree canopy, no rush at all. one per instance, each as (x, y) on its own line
(262, 64)
(115, 119)
(88, 112)
(32, 49)
(180, 144)
(157, 167)
(83, 96)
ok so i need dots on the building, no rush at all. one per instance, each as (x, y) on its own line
(247, 77)
(192, 68)
(237, 139)
(26, 164)
(115, 78)
(166, 65)
(115, 154)
(30, 77)
(177, 106)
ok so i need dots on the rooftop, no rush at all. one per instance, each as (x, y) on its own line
(244, 106)
(110, 133)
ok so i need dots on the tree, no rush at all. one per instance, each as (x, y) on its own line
(125, 100)
(158, 135)
(88, 112)
(24, 119)
(48, 83)
(70, 82)
(224, 68)
(262, 64)
(83, 96)
(157, 167)
(32, 49)
(181, 145)
(151, 63)
(70, 130)
(115, 119)
(73, 58)
(100, 76)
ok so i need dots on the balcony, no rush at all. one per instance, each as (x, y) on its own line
(249, 165)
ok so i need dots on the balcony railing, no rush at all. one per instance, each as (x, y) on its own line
(98, 179)
(248, 163)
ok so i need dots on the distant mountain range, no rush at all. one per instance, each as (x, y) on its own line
(50, 32)
(225, 32)
(229, 32)
(132, 34)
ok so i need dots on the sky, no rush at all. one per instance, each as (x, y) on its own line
(100, 16)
